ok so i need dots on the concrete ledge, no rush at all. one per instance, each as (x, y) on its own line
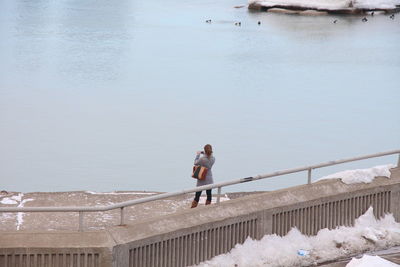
(56, 239)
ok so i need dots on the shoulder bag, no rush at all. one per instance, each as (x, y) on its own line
(199, 172)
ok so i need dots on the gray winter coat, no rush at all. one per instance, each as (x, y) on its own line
(207, 162)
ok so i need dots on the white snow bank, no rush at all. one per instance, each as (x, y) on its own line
(361, 175)
(370, 261)
(367, 234)
(12, 200)
(331, 4)
(8, 201)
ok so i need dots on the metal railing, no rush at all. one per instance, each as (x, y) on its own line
(123, 205)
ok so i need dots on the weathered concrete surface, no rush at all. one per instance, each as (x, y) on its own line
(57, 239)
(37, 221)
(92, 221)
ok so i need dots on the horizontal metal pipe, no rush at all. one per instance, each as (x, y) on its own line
(54, 209)
(185, 191)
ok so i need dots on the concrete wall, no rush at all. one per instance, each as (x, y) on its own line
(195, 235)
(206, 232)
(53, 257)
(56, 249)
(188, 246)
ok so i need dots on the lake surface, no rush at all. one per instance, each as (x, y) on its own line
(118, 95)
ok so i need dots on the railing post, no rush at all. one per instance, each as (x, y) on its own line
(122, 216)
(219, 194)
(309, 176)
(398, 161)
(80, 221)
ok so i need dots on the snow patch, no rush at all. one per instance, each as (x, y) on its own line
(17, 197)
(8, 201)
(20, 215)
(6, 216)
(368, 234)
(370, 261)
(361, 175)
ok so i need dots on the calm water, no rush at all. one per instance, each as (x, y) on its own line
(118, 95)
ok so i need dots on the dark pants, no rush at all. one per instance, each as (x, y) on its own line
(198, 194)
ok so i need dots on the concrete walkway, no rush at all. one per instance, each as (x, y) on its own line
(40, 221)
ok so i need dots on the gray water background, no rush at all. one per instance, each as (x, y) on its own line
(118, 95)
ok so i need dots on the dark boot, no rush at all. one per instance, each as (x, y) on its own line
(194, 204)
(208, 202)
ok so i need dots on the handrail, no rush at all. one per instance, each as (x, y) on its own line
(122, 205)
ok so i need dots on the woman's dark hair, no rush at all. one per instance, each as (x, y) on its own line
(208, 150)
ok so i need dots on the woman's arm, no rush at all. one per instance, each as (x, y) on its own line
(197, 159)
(212, 161)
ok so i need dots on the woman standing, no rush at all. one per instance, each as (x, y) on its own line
(207, 160)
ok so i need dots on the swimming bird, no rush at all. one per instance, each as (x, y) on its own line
(392, 16)
(364, 19)
(372, 13)
(208, 21)
(259, 22)
(335, 21)
(238, 23)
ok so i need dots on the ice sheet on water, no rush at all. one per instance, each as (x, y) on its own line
(332, 4)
